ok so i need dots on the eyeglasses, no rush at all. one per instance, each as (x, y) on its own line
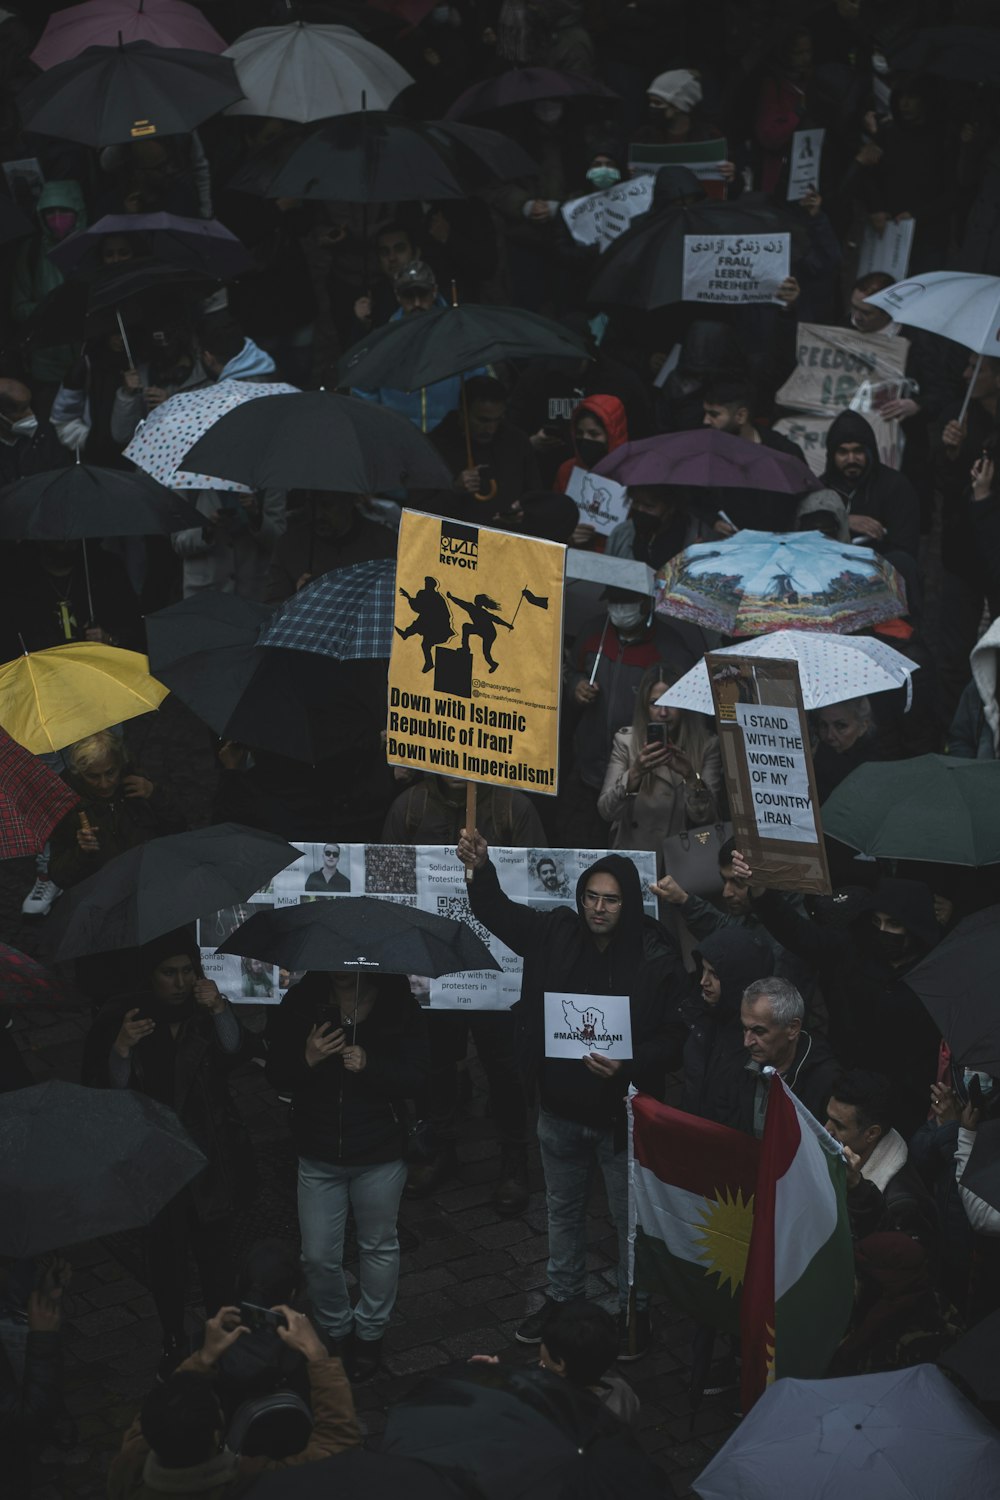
(598, 898)
(330, 852)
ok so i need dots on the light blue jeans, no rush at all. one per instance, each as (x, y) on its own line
(326, 1192)
(571, 1153)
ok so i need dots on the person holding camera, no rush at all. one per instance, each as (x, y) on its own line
(349, 1048)
(665, 771)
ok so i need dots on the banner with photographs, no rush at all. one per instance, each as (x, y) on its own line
(427, 876)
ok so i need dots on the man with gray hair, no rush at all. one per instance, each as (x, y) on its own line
(771, 1016)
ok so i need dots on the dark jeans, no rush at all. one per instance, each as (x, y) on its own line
(169, 1237)
(448, 1036)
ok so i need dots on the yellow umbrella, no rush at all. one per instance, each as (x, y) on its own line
(52, 698)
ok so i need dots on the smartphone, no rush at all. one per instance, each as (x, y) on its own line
(656, 734)
(254, 1317)
(975, 1092)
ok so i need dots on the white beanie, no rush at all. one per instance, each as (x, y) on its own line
(679, 87)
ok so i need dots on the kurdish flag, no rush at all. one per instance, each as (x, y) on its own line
(751, 1237)
(691, 1196)
(798, 1284)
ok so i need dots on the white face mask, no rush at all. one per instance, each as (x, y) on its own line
(25, 426)
(985, 1081)
(626, 617)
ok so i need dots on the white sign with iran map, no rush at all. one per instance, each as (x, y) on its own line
(576, 1025)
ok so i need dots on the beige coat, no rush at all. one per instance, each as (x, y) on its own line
(642, 820)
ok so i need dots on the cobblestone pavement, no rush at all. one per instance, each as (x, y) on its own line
(468, 1277)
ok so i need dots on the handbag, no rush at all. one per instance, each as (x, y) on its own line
(692, 858)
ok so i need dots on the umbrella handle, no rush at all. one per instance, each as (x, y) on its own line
(968, 394)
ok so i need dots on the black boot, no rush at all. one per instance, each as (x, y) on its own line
(364, 1360)
(510, 1196)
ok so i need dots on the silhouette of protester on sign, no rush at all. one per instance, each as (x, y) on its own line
(433, 619)
(481, 623)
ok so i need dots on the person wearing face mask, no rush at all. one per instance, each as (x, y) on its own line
(176, 1039)
(597, 427)
(612, 653)
(27, 446)
(673, 117)
(60, 211)
(659, 525)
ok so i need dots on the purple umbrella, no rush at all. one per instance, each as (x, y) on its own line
(199, 244)
(708, 459)
(104, 23)
(527, 86)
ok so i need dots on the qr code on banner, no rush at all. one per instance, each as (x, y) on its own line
(458, 909)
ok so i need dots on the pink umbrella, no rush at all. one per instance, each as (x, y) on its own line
(99, 23)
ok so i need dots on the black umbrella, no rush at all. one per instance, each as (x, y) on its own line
(292, 703)
(361, 934)
(445, 341)
(317, 441)
(378, 157)
(133, 92)
(525, 86)
(79, 1163)
(82, 500)
(358, 1471)
(148, 290)
(644, 267)
(201, 245)
(164, 884)
(957, 983)
(974, 1358)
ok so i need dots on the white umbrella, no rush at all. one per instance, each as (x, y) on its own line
(305, 73)
(831, 668)
(955, 304)
(171, 429)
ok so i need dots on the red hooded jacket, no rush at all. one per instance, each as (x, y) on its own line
(610, 412)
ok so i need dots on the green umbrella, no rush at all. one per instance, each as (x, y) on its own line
(934, 807)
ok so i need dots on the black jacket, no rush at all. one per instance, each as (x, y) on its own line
(338, 1116)
(715, 1039)
(881, 493)
(120, 822)
(733, 1087)
(191, 1075)
(559, 954)
(905, 1207)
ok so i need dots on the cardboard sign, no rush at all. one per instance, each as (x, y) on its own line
(810, 434)
(576, 1025)
(767, 765)
(888, 251)
(427, 876)
(603, 502)
(835, 365)
(600, 218)
(476, 664)
(736, 269)
(803, 164)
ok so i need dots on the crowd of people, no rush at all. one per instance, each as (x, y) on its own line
(730, 977)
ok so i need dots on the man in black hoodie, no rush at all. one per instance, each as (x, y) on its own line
(608, 946)
(882, 505)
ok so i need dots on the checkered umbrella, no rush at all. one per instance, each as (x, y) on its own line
(23, 981)
(346, 614)
(33, 799)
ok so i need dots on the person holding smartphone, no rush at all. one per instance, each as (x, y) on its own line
(176, 1038)
(664, 773)
(349, 1048)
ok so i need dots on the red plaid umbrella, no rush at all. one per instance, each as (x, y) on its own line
(23, 981)
(32, 800)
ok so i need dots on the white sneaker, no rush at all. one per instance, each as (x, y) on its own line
(38, 902)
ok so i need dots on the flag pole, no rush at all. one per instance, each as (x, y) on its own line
(471, 791)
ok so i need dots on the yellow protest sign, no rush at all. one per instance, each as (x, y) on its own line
(476, 660)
